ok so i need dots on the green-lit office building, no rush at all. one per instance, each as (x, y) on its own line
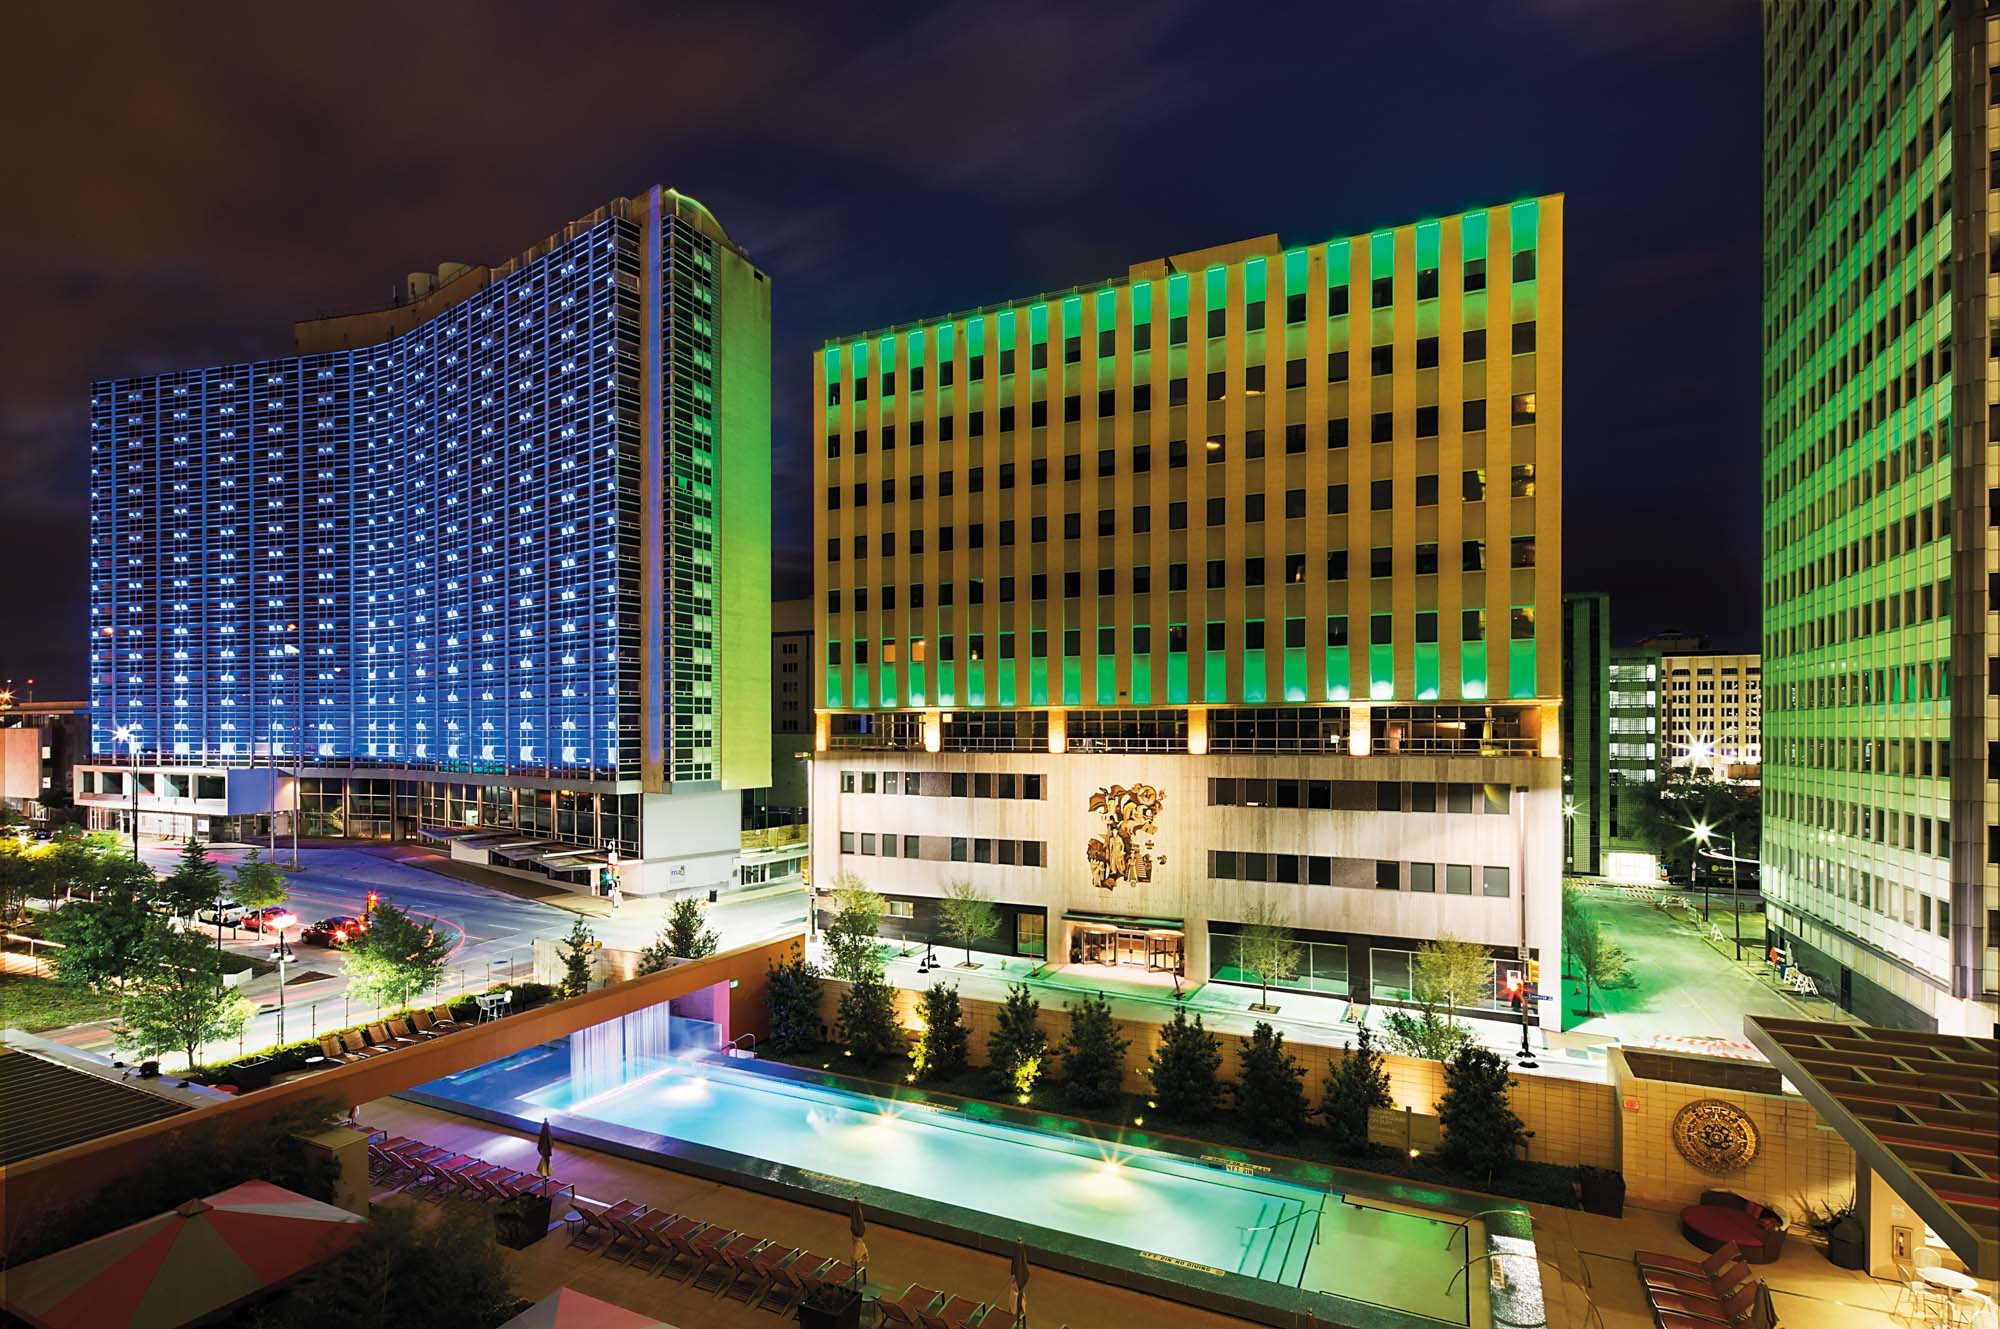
(1880, 743)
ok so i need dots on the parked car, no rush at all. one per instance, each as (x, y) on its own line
(225, 913)
(264, 920)
(332, 932)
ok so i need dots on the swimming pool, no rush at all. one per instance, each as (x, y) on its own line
(1186, 1219)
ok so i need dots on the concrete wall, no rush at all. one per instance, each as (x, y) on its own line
(38, 1186)
(1572, 1120)
(1797, 1158)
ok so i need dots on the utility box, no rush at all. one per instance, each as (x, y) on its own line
(348, 1148)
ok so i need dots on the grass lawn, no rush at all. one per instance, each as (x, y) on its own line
(40, 1004)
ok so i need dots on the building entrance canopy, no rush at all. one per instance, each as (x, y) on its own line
(1921, 1110)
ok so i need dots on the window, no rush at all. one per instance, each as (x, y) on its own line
(1475, 344)
(1427, 564)
(1523, 551)
(1295, 307)
(1336, 499)
(1473, 485)
(1473, 415)
(1382, 292)
(1336, 630)
(1336, 433)
(1475, 274)
(1336, 301)
(1336, 565)
(1253, 508)
(1458, 879)
(1427, 422)
(1380, 632)
(1295, 503)
(1381, 427)
(1524, 408)
(1523, 624)
(1427, 352)
(1336, 367)
(1381, 495)
(1524, 338)
(1496, 882)
(1472, 625)
(1388, 796)
(1427, 284)
(1381, 561)
(1382, 360)
(1524, 265)
(1423, 878)
(1427, 491)
(1388, 876)
(1524, 480)
(1295, 634)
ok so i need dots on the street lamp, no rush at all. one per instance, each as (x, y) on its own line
(1701, 831)
(282, 954)
(129, 736)
(1569, 833)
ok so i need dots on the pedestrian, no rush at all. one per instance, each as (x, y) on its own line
(545, 1146)
(617, 896)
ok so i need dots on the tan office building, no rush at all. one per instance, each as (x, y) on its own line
(1714, 713)
(1231, 583)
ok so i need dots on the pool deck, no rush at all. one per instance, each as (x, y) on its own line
(1592, 1250)
(897, 1258)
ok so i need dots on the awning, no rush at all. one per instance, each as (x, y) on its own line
(1921, 1110)
(1122, 921)
(524, 849)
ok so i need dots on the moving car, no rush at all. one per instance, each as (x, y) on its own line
(225, 913)
(332, 932)
(264, 920)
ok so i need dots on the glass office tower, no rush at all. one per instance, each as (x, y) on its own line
(474, 566)
(1880, 749)
(1224, 587)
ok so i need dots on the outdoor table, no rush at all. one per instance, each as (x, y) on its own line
(1950, 1282)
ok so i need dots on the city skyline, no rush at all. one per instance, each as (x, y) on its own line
(978, 215)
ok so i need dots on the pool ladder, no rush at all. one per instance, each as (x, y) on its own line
(734, 1048)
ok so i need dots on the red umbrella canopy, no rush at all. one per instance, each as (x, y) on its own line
(566, 1308)
(196, 1260)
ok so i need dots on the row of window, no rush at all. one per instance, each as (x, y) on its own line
(946, 784)
(946, 848)
(1472, 416)
(1359, 873)
(1381, 632)
(1360, 795)
(1381, 558)
(1381, 493)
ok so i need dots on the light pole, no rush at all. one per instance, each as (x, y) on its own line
(282, 954)
(129, 736)
(1569, 834)
(1702, 831)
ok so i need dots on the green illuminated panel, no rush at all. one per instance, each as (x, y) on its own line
(860, 353)
(862, 695)
(887, 683)
(975, 684)
(1072, 314)
(1107, 309)
(1038, 682)
(1338, 670)
(1337, 261)
(1142, 680)
(1381, 672)
(1521, 668)
(1177, 688)
(833, 686)
(1177, 288)
(1253, 676)
(1107, 681)
(1038, 323)
(975, 336)
(1216, 283)
(1142, 303)
(1472, 670)
(1006, 321)
(1253, 280)
(1381, 253)
(1295, 271)
(916, 347)
(947, 341)
(947, 681)
(1522, 220)
(1474, 232)
(917, 692)
(1214, 677)
(1427, 670)
(1295, 674)
(1427, 245)
(1072, 681)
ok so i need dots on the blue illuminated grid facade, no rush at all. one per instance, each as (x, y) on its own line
(427, 553)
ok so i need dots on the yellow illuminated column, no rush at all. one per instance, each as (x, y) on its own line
(1058, 732)
(1198, 731)
(1358, 732)
(933, 731)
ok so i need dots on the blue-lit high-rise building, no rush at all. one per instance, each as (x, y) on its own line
(491, 565)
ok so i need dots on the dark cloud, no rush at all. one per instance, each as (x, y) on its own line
(189, 181)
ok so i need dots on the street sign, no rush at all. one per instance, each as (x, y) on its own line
(1541, 996)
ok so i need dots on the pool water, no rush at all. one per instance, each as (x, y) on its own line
(1165, 1207)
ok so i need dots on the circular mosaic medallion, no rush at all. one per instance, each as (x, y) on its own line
(1715, 1136)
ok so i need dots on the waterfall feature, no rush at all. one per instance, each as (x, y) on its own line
(607, 1055)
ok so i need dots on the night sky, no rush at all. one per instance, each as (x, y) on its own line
(187, 183)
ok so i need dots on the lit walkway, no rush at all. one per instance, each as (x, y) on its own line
(897, 1258)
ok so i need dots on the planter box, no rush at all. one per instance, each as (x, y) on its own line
(831, 1308)
(520, 1221)
(1602, 1191)
(252, 1074)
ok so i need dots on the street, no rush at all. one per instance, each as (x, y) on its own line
(497, 932)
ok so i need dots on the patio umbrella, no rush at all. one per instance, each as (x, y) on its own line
(858, 1226)
(1017, 1282)
(566, 1308)
(544, 1147)
(1763, 1314)
(186, 1264)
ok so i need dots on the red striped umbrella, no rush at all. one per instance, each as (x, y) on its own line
(194, 1261)
(566, 1308)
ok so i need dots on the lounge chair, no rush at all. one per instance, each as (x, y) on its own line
(441, 1017)
(1725, 1255)
(587, 1221)
(1728, 1280)
(834, 1273)
(764, 1266)
(356, 1045)
(401, 1028)
(378, 1034)
(471, 1183)
(707, 1246)
(625, 1228)
(1715, 1310)
(733, 1260)
(675, 1241)
(788, 1280)
(907, 1311)
(652, 1242)
(438, 1172)
(955, 1313)
(329, 1047)
(427, 1025)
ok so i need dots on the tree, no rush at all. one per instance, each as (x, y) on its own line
(104, 940)
(1183, 1069)
(1600, 961)
(1266, 949)
(1354, 1086)
(1482, 1136)
(1452, 974)
(177, 999)
(940, 1051)
(442, 1271)
(1425, 1034)
(791, 995)
(966, 917)
(259, 884)
(1093, 1054)
(1270, 1092)
(1664, 813)
(195, 883)
(687, 932)
(853, 938)
(576, 950)
(867, 1021)
(395, 957)
(1017, 1046)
